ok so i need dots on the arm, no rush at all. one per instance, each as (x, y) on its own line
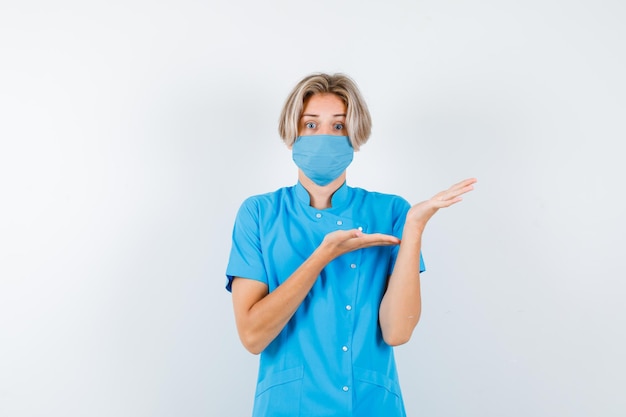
(401, 305)
(261, 315)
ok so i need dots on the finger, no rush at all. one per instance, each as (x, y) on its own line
(465, 182)
(462, 190)
(347, 234)
(356, 234)
(382, 236)
(465, 185)
(448, 203)
(379, 239)
(456, 190)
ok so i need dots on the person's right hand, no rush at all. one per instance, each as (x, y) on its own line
(340, 242)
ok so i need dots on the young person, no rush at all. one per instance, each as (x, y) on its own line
(325, 278)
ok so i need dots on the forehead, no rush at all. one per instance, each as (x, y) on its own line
(325, 103)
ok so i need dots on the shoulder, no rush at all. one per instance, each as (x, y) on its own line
(379, 198)
(259, 201)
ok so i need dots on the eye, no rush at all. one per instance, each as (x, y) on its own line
(338, 126)
(310, 125)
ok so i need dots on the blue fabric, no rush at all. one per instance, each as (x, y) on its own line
(330, 359)
(322, 158)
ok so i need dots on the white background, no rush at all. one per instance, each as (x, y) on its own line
(132, 130)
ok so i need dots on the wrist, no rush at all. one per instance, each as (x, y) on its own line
(322, 255)
(414, 225)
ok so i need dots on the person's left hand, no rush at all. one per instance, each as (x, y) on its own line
(420, 213)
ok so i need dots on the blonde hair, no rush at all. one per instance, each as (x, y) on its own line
(358, 119)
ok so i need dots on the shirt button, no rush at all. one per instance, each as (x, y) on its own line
(345, 388)
(360, 228)
(318, 215)
(352, 266)
(344, 348)
(348, 307)
(339, 222)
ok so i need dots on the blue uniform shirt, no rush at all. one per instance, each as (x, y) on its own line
(330, 359)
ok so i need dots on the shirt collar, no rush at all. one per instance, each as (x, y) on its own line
(338, 199)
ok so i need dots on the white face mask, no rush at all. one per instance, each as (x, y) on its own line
(322, 158)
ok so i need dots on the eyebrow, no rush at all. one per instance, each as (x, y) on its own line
(317, 115)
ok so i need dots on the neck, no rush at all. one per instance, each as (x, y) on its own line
(321, 196)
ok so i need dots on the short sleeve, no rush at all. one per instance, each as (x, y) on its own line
(400, 209)
(246, 255)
